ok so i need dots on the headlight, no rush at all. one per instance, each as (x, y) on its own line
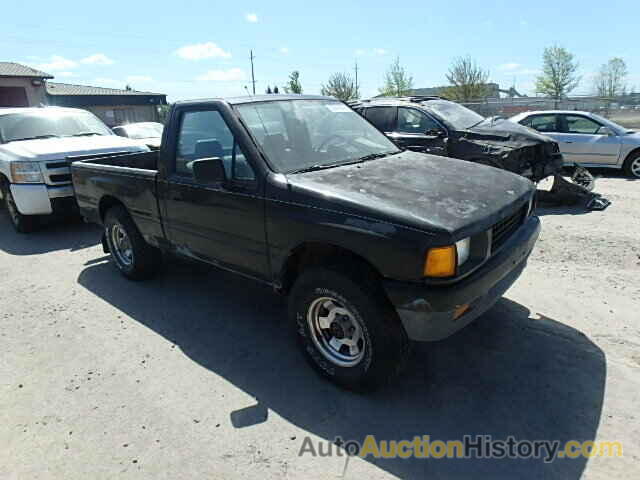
(463, 248)
(26, 172)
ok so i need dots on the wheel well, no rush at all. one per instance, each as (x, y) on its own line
(635, 151)
(106, 203)
(327, 255)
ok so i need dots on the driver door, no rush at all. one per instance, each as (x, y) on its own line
(417, 131)
(222, 224)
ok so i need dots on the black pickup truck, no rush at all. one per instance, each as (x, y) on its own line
(374, 246)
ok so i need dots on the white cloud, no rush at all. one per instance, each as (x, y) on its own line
(65, 74)
(379, 51)
(57, 63)
(199, 51)
(97, 59)
(508, 67)
(251, 17)
(284, 50)
(139, 78)
(231, 75)
(108, 82)
(360, 52)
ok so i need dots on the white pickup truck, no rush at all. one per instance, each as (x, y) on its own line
(36, 148)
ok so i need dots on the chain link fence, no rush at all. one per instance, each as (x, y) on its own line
(624, 110)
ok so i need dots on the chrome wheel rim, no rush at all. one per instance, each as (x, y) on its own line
(121, 243)
(635, 167)
(336, 332)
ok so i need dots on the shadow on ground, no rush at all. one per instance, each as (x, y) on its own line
(514, 372)
(55, 234)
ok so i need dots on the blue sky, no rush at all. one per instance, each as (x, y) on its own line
(194, 49)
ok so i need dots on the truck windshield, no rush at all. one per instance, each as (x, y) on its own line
(456, 115)
(298, 135)
(48, 124)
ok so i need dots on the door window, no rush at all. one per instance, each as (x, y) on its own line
(205, 134)
(542, 123)
(579, 124)
(411, 120)
(382, 117)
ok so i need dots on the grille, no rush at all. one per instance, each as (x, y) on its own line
(61, 164)
(502, 230)
(64, 177)
(57, 172)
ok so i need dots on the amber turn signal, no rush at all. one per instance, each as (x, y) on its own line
(441, 262)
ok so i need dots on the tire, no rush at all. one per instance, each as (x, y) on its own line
(381, 346)
(22, 223)
(131, 254)
(631, 165)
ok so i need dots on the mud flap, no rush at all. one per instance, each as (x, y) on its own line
(105, 245)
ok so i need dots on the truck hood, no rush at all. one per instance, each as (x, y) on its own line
(427, 192)
(58, 148)
(505, 132)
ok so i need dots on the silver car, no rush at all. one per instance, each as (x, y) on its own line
(587, 139)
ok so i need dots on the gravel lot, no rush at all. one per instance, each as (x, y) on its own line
(195, 375)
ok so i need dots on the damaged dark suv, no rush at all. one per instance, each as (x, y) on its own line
(441, 127)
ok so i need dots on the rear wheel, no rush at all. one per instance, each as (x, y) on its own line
(348, 334)
(132, 255)
(22, 223)
(632, 165)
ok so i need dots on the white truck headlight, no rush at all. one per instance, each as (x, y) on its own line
(26, 172)
(463, 247)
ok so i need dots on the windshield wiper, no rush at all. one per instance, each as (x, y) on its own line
(84, 134)
(324, 166)
(36, 137)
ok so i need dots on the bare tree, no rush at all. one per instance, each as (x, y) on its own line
(397, 81)
(611, 79)
(559, 73)
(341, 86)
(468, 80)
(293, 85)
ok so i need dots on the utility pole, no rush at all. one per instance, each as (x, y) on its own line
(357, 87)
(253, 79)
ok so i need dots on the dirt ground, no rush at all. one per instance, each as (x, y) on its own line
(195, 375)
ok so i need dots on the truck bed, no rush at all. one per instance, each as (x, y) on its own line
(138, 160)
(128, 179)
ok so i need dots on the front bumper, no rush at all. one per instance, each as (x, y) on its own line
(39, 199)
(427, 312)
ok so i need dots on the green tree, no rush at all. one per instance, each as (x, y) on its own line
(468, 80)
(397, 82)
(559, 73)
(341, 86)
(611, 79)
(293, 85)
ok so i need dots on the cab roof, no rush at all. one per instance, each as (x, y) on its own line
(256, 99)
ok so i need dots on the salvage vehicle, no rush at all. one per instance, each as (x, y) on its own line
(36, 145)
(587, 139)
(374, 246)
(441, 127)
(146, 133)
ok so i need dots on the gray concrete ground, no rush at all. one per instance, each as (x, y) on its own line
(195, 375)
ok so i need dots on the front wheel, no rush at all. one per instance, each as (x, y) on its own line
(132, 255)
(632, 165)
(22, 223)
(347, 333)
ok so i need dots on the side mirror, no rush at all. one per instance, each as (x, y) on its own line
(606, 131)
(436, 132)
(208, 170)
